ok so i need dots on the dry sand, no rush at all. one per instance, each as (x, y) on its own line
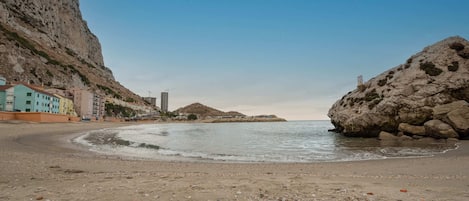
(38, 163)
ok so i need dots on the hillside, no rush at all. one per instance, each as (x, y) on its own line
(203, 111)
(46, 42)
(428, 95)
(212, 115)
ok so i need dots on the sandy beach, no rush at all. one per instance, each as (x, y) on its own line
(37, 162)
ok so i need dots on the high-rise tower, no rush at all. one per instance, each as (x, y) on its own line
(164, 101)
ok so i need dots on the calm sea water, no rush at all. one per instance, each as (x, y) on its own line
(294, 141)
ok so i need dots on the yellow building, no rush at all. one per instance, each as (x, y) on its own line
(66, 106)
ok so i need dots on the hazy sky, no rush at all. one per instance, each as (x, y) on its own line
(291, 58)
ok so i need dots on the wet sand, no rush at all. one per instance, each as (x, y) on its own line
(37, 162)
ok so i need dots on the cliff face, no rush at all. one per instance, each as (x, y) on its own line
(407, 99)
(47, 42)
(56, 24)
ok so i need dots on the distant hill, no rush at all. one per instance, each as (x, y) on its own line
(211, 115)
(235, 114)
(203, 111)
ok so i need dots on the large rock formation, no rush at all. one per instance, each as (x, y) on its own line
(431, 89)
(47, 42)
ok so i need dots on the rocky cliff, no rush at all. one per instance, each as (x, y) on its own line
(426, 96)
(47, 42)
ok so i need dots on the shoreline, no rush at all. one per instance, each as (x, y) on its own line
(38, 160)
(100, 143)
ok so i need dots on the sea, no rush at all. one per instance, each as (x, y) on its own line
(279, 142)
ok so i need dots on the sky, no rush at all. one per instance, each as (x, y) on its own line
(291, 58)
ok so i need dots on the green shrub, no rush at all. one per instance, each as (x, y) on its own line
(430, 69)
(382, 82)
(53, 62)
(369, 96)
(83, 78)
(72, 68)
(192, 117)
(456, 46)
(374, 103)
(70, 52)
(49, 73)
(409, 60)
(118, 110)
(33, 71)
(464, 54)
(454, 66)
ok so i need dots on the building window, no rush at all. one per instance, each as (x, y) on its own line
(28, 110)
(37, 103)
(28, 102)
(38, 95)
(28, 94)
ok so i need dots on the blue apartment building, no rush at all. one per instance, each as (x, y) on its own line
(27, 98)
(31, 99)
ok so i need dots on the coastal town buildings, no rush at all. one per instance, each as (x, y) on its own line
(66, 106)
(75, 102)
(27, 98)
(164, 101)
(7, 97)
(88, 104)
(151, 100)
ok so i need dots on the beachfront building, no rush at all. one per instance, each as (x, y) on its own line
(87, 104)
(7, 97)
(99, 108)
(66, 106)
(30, 98)
(83, 102)
(164, 101)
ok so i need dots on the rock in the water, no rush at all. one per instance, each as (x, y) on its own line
(439, 129)
(412, 93)
(411, 129)
(383, 135)
(459, 120)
